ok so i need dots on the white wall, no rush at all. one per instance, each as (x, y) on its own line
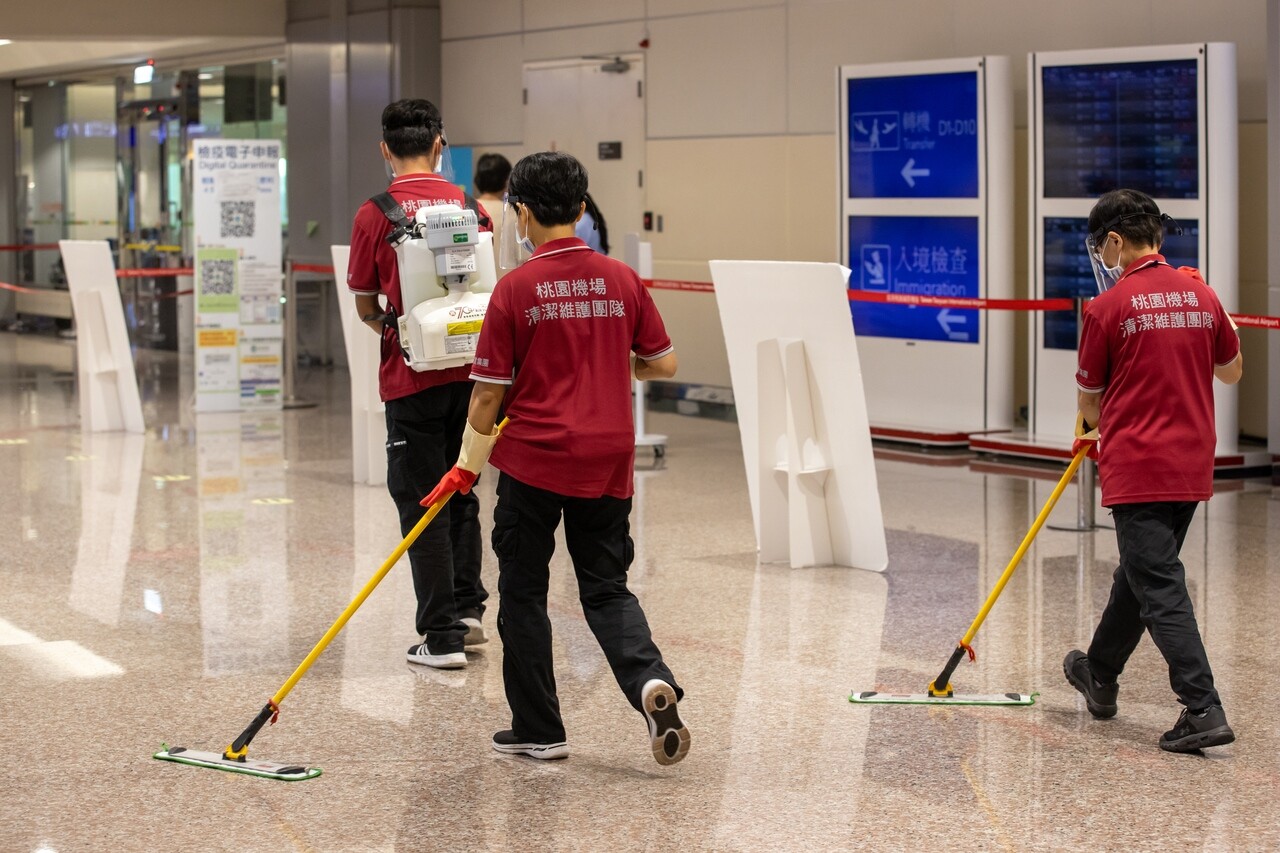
(742, 112)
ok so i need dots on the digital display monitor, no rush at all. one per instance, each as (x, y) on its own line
(1068, 273)
(920, 255)
(1131, 124)
(913, 137)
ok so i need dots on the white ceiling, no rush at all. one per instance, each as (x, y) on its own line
(24, 59)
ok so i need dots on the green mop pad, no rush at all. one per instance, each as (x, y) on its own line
(872, 697)
(249, 767)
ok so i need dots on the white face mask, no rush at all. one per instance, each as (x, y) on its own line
(391, 172)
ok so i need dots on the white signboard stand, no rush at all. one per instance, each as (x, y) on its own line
(237, 274)
(368, 415)
(801, 412)
(108, 384)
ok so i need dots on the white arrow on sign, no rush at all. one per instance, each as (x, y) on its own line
(946, 318)
(910, 172)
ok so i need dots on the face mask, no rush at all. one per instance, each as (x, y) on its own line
(525, 242)
(391, 172)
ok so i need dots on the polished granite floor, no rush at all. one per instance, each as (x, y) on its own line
(159, 588)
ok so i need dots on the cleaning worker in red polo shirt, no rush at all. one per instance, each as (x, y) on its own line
(426, 411)
(557, 349)
(1151, 345)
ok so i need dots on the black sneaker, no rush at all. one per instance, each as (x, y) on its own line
(420, 654)
(506, 742)
(1196, 730)
(1099, 698)
(668, 736)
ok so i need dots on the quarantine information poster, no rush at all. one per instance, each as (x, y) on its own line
(238, 274)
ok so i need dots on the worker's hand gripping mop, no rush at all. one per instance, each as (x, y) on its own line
(235, 758)
(940, 691)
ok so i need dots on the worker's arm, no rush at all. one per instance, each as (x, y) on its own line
(486, 402)
(367, 306)
(1231, 372)
(662, 367)
(1090, 405)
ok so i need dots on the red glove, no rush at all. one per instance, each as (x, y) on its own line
(1091, 443)
(1086, 436)
(455, 480)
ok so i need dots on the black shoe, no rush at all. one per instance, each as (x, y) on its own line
(668, 736)
(1099, 698)
(506, 742)
(1196, 730)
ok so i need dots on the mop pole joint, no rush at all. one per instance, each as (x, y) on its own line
(239, 748)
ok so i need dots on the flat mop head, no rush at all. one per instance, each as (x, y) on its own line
(249, 767)
(872, 697)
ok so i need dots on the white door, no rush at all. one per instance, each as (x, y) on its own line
(593, 108)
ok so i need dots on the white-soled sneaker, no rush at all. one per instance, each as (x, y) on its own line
(475, 631)
(507, 743)
(420, 654)
(668, 735)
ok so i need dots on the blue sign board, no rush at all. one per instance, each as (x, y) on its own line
(913, 137)
(918, 255)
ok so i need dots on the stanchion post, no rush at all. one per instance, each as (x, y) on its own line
(290, 354)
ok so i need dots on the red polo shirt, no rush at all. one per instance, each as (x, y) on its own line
(1149, 345)
(372, 269)
(560, 330)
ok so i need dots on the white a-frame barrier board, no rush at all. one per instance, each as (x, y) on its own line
(926, 209)
(1157, 119)
(801, 412)
(368, 418)
(108, 383)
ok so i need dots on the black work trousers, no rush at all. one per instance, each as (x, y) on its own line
(597, 533)
(424, 437)
(1149, 592)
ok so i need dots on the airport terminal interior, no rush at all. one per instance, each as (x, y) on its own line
(141, 609)
(826, 494)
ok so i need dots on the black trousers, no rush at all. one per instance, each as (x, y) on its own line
(597, 533)
(424, 436)
(1150, 592)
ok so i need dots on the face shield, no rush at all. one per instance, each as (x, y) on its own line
(444, 164)
(515, 249)
(1105, 276)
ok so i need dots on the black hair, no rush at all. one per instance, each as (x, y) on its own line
(596, 215)
(492, 171)
(1131, 214)
(410, 127)
(552, 184)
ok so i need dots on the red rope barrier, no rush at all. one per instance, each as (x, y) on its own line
(1256, 321)
(158, 272)
(29, 247)
(16, 289)
(320, 268)
(668, 284)
(963, 302)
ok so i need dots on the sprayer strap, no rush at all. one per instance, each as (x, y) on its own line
(395, 214)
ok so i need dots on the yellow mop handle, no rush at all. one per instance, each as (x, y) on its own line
(364, 593)
(1026, 543)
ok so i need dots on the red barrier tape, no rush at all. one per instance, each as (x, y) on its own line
(963, 302)
(1256, 321)
(320, 268)
(29, 247)
(159, 272)
(16, 289)
(668, 284)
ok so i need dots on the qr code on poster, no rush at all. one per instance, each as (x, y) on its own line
(217, 278)
(237, 219)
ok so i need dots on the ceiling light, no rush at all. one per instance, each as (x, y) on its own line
(204, 75)
(143, 74)
(5, 41)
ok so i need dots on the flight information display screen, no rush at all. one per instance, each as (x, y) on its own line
(1131, 124)
(914, 136)
(915, 256)
(1068, 273)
